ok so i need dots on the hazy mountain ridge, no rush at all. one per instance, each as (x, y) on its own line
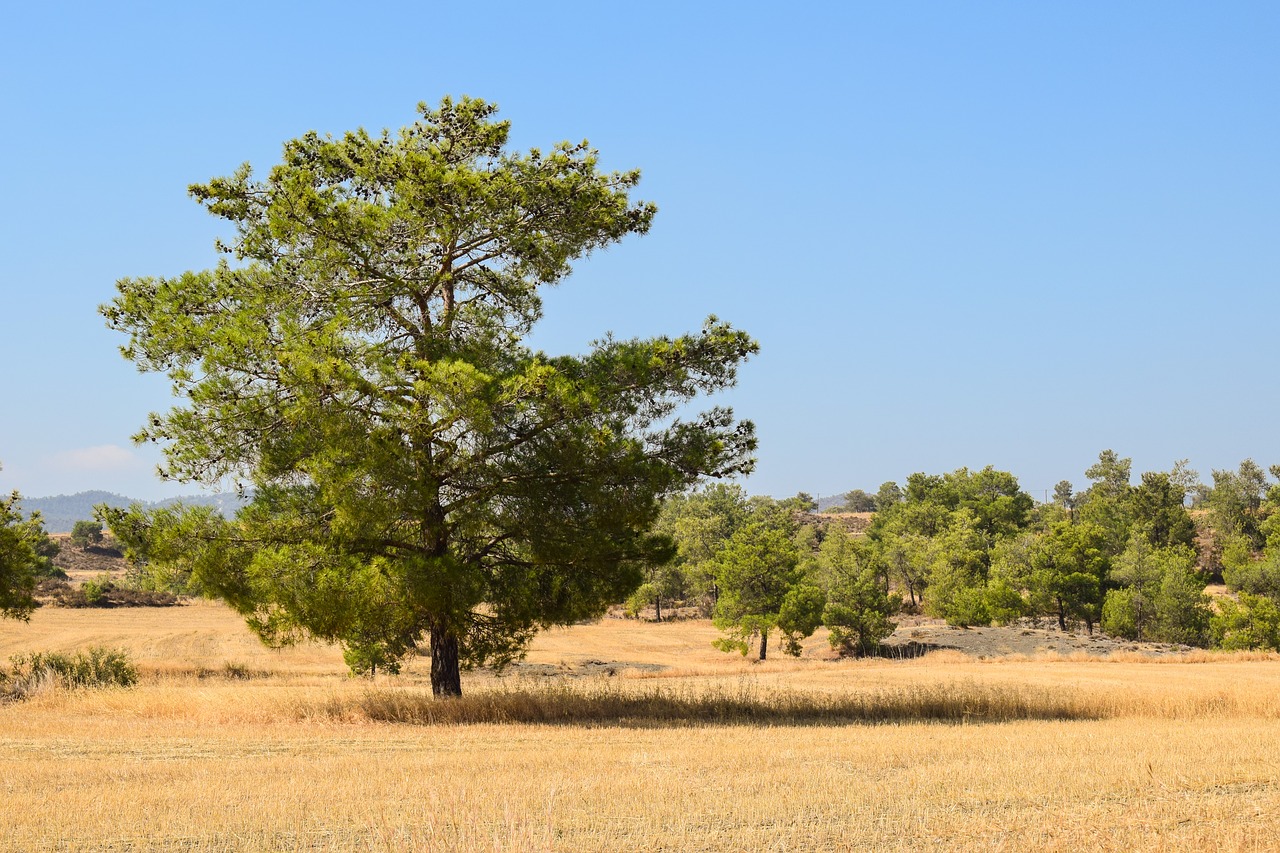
(61, 512)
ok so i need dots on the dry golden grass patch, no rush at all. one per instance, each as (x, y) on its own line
(713, 754)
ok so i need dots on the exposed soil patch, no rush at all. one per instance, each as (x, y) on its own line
(578, 670)
(88, 563)
(917, 634)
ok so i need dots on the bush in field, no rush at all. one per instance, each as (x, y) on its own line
(92, 668)
(1004, 604)
(859, 613)
(95, 590)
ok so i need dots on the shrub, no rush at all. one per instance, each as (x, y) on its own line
(1182, 609)
(95, 667)
(95, 590)
(102, 592)
(858, 613)
(968, 607)
(1121, 613)
(1004, 603)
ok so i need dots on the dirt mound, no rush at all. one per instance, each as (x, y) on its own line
(82, 564)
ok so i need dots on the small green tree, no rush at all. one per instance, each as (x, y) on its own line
(858, 500)
(1129, 610)
(906, 558)
(1183, 614)
(86, 533)
(25, 552)
(1157, 509)
(1158, 595)
(1252, 622)
(958, 574)
(1009, 579)
(1068, 568)
(762, 590)
(1235, 502)
(1123, 613)
(1243, 573)
(699, 522)
(859, 608)
(889, 494)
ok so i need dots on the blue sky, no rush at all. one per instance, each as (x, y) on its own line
(964, 233)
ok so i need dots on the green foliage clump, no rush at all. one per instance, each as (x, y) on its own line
(762, 587)
(1243, 573)
(85, 533)
(26, 556)
(698, 524)
(859, 608)
(1253, 622)
(95, 667)
(1158, 595)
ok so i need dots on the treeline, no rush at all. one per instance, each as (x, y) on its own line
(974, 549)
(760, 566)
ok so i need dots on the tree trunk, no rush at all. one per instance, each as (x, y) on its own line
(1062, 616)
(446, 676)
(764, 644)
(657, 607)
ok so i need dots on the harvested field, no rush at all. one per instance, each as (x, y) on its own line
(630, 735)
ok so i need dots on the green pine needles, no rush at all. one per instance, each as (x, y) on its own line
(358, 362)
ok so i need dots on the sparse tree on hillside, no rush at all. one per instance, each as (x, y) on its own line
(416, 469)
(1235, 503)
(86, 533)
(859, 501)
(888, 494)
(1184, 477)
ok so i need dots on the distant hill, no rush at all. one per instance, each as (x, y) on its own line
(61, 512)
(829, 502)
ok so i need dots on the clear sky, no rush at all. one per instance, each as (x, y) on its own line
(964, 233)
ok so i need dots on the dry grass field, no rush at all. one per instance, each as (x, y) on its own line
(632, 736)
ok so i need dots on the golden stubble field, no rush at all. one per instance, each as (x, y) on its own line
(281, 751)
